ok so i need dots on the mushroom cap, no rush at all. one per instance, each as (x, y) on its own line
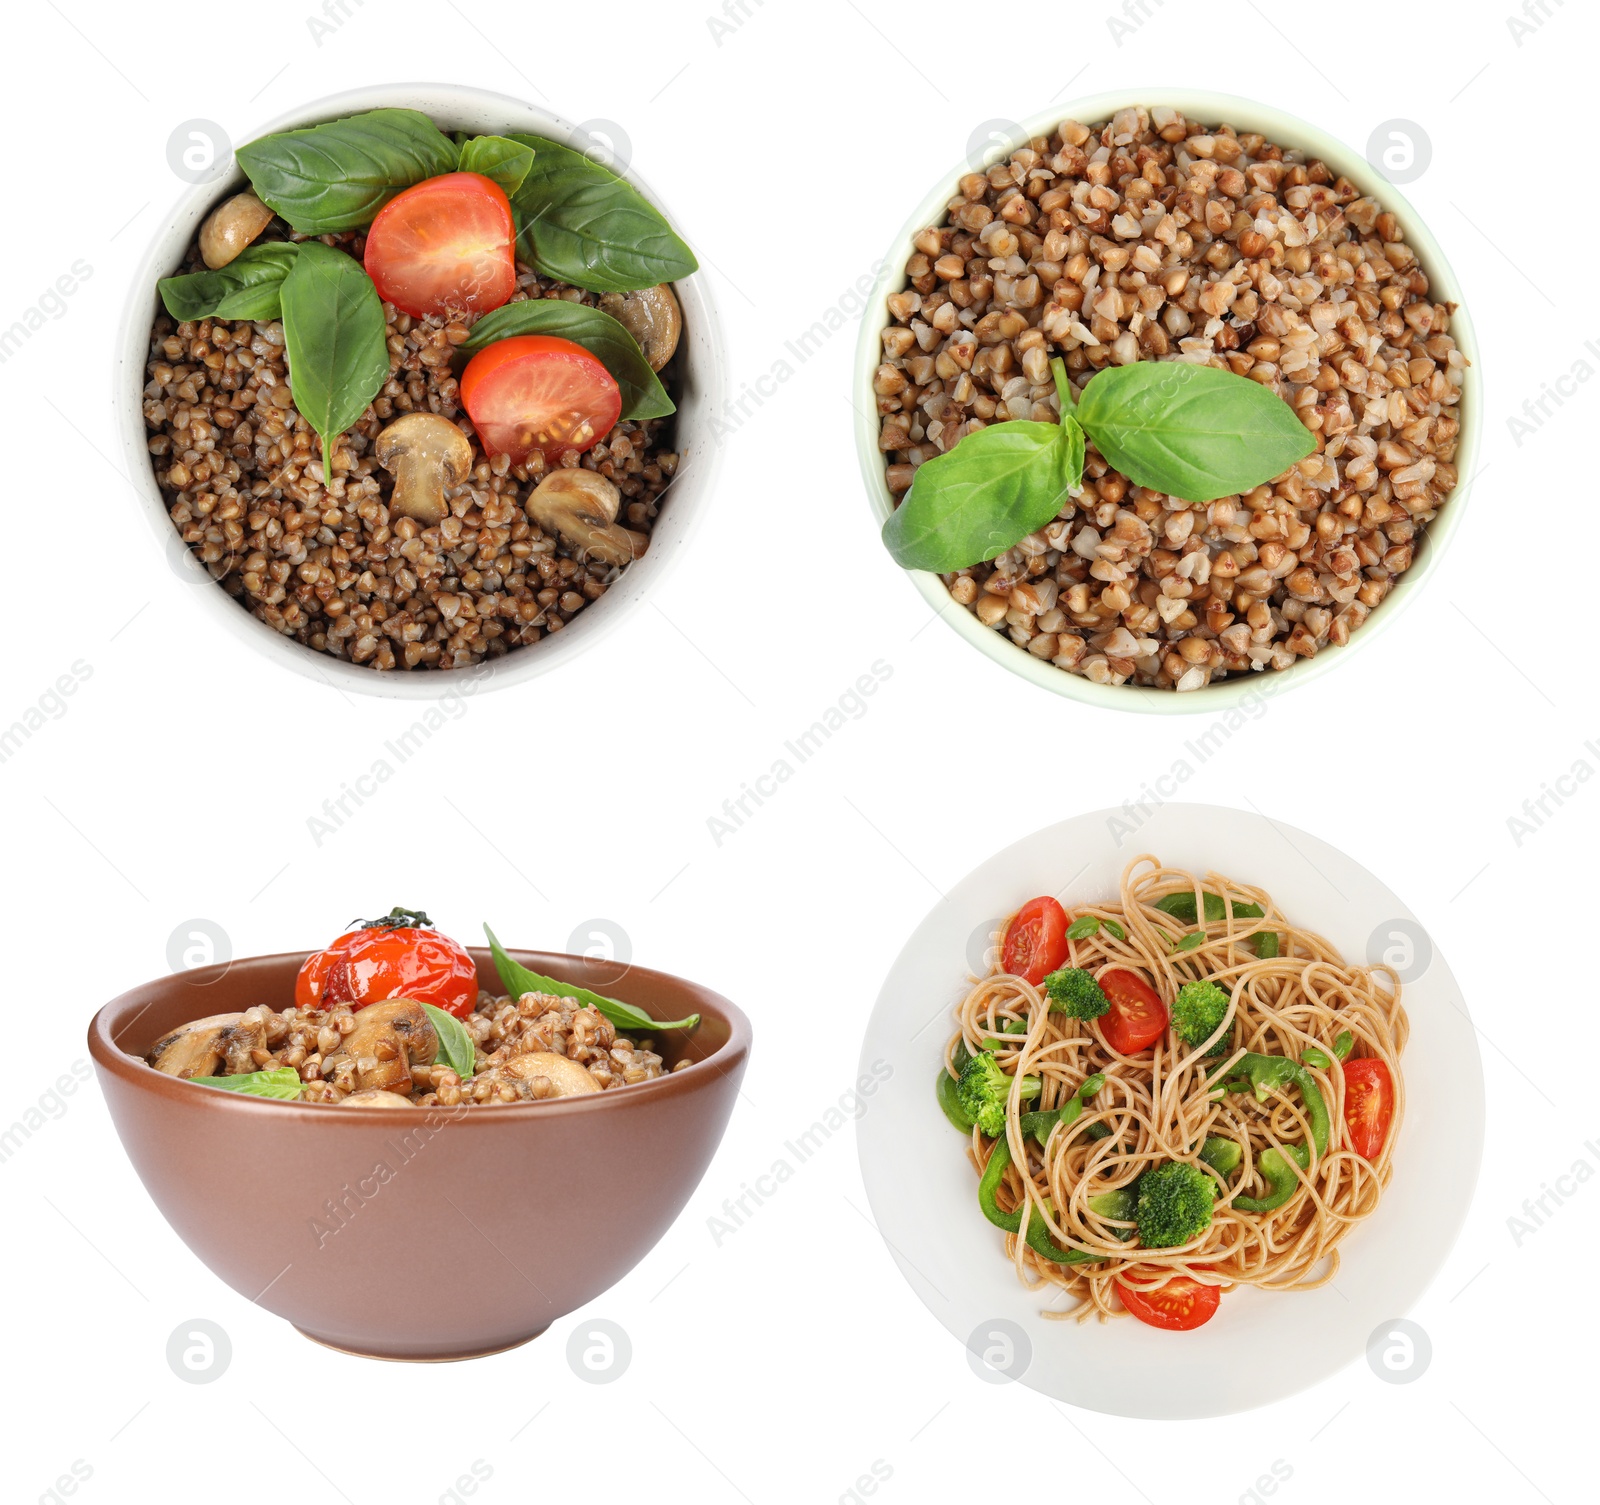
(573, 493)
(652, 316)
(195, 1048)
(375, 1098)
(401, 1020)
(568, 1077)
(423, 436)
(230, 227)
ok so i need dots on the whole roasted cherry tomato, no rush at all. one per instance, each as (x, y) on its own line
(444, 246)
(1035, 942)
(1137, 1016)
(539, 392)
(1179, 1306)
(399, 956)
(1368, 1105)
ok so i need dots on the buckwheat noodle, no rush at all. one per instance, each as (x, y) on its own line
(1157, 1105)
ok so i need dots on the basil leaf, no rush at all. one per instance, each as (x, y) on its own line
(335, 338)
(1190, 941)
(1181, 907)
(1191, 431)
(997, 485)
(455, 1044)
(338, 175)
(282, 1082)
(580, 223)
(643, 396)
(247, 288)
(1116, 930)
(517, 980)
(1266, 944)
(1083, 927)
(498, 158)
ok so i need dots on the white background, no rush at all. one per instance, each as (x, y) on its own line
(788, 1361)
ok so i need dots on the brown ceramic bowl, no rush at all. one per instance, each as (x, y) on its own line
(357, 1225)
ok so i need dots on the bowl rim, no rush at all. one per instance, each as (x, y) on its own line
(1285, 129)
(595, 622)
(134, 1072)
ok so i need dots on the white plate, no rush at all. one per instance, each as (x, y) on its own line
(924, 1193)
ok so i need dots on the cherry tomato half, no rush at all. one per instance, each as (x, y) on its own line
(537, 391)
(1035, 942)
(1137, 1017)
(444, 246)
(1368, 1105)
(1179, 1306)
(399, 956)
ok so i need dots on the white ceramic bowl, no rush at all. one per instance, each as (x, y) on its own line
(924, 1193)
(453, 107)
(1285, 130)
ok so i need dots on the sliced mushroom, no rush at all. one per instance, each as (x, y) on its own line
(230, 227)
(581, 505)
(652, 316)
(389, 1038)
(194, 1049)
(567, 1077)
(374, 1098)
(425, 453)
(242, 1041)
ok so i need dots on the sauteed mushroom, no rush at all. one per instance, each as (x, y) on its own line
(196, 1048)
(425, 453)
(230, 227)
(581, 505)
(389, 1038)
(652, 316)
(566, 1077)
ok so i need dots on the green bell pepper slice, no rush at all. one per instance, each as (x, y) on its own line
(1264, 1075)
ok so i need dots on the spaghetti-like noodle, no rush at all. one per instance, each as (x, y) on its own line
(1166, 1102)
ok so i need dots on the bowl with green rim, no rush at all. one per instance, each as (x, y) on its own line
(1291, 133)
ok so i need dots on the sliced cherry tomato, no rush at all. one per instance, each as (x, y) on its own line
(444, 246)
(399, 956)
(539, 392)
(1368, 1105)
(1035, 942)
(1179, 1306)
(1137, 1017)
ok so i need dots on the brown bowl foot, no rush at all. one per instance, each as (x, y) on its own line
(421, 1358)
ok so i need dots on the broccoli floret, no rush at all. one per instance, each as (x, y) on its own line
(1196, 1013)
(983, 1090)
(1074, 991)
(1175, 1203)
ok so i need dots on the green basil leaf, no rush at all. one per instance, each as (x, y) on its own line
(580, 223)
(997, 485)
(643, 396)
(335, 338)
(1266, 944)
(247, 288)
(1190, 941)
(517, 980)
(282, 1082)
(1116, 930)
(455, 1044)
(1191, 431)
(1083, 927)
(1180, 906)
(338, 175)
(498, 158)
